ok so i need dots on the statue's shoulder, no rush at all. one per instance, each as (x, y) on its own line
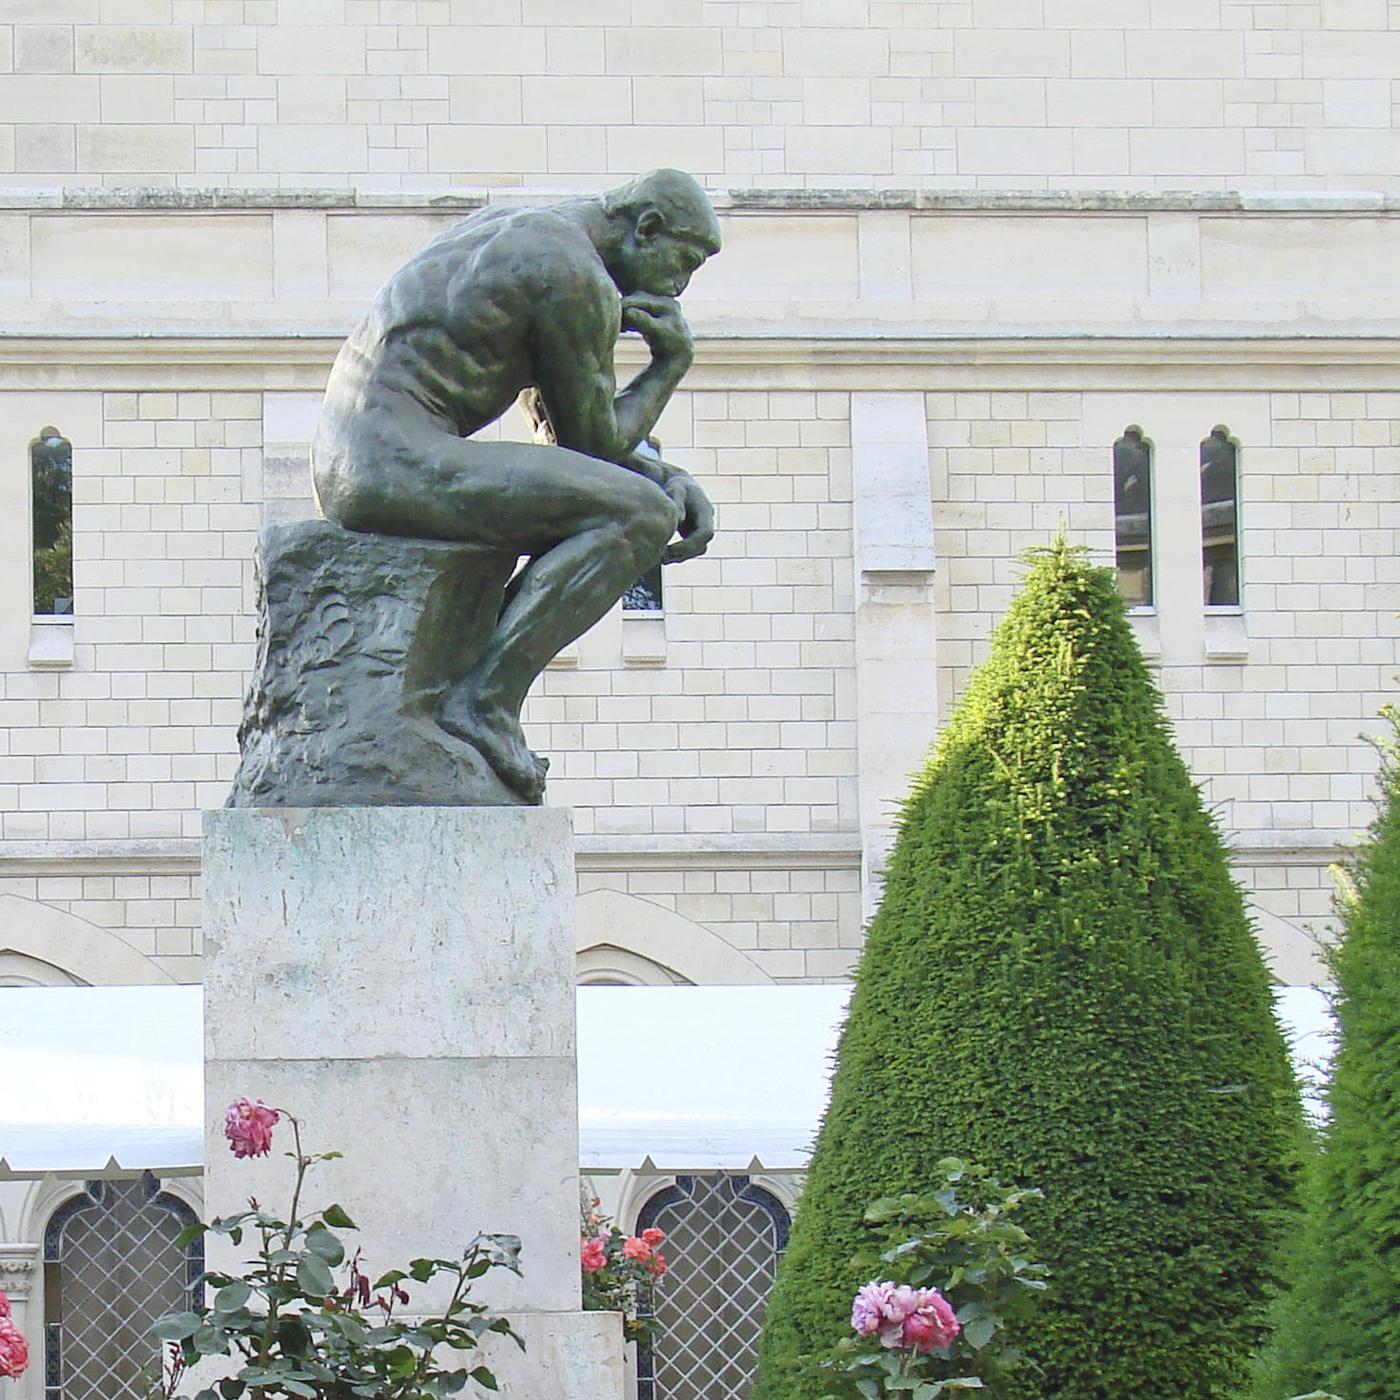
(548, 248)
(541, 234)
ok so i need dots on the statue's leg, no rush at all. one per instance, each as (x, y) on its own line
(590, 526)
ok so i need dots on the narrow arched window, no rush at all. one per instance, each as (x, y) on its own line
(51, 478)
(1220, 545)
(1132, 516)
(723, 1239)
(111, 1267)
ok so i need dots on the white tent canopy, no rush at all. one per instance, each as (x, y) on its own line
(101, 1079)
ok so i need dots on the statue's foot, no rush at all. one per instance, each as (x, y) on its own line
(499, 739)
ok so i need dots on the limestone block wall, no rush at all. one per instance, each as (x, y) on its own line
(1140, 94)
(890, 400)
(1269, 701)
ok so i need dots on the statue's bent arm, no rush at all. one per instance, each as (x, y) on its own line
(576, 382)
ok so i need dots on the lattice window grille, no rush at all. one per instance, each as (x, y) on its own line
(111, 1268)
(723, 1239)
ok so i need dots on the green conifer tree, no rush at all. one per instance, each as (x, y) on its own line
(1339, 1329)
(1061, 982)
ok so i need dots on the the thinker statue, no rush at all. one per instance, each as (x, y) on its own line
(511, 304)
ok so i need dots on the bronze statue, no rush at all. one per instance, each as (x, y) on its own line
(511, 304)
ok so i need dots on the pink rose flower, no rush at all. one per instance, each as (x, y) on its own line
(592, 1255)
(900, 1302)
(653, 1236)
(14, 1350)
(656, 1266)
(248, 1127)
(4, 1304)
(868, 1307)
(932, 1324)
(635, 1248)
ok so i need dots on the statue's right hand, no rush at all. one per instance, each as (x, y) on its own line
(660, 322)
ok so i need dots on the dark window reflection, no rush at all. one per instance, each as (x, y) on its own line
(1132, 516)
(51, 471)
(1220, 554)
(645, 594)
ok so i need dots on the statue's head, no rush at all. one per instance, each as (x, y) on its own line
(663, 227)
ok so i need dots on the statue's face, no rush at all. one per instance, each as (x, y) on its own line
(655, 260)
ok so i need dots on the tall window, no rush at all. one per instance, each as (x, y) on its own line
(1132, 516)
(645, 594)
(1220, 550)
(723, 1239)
(51, 475)
(111, 1267)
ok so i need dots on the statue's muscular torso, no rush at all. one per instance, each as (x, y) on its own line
(453, 337)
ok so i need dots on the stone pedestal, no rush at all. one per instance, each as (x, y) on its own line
(401, 979)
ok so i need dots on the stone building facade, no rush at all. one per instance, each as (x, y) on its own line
(969, 245)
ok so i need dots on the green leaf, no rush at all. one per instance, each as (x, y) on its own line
(422, 1270)
(878, 1211)
(325, 1245)
(175, 1327)
(210, 1341)
(392, 1277)
(314, 1277)
(293, 1336)
(231, 1387)
(484, 1378)
(401, 1363)
(336, 1217)
(232, 1297)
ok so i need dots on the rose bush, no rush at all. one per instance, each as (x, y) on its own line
(619, 1270)
(295, 1331)
(959, 1276)
(14, 1350)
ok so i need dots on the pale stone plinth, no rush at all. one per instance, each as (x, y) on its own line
(402, 980)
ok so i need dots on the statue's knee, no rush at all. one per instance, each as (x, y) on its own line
(651, 523)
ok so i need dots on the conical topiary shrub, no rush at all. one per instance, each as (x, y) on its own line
(1340, 1328)
(1061, 983)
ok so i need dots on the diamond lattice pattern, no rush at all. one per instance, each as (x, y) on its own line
(120, 1269)
(723, 1253)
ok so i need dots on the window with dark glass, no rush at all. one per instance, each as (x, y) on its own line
(724, 1236)
(1220, 550)
(51, 476)
(1132, 516)
(112, 1265)
(645, 594)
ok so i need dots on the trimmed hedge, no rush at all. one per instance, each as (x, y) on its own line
(1340, 1329)
(1061, 983)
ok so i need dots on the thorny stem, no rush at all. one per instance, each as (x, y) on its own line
(303, 1162)
(462, 1268)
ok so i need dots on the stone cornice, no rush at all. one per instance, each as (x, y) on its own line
(838, 850)
(80, 199)
(820, 359)
(180, 856)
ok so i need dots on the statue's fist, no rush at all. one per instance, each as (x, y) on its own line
(660, 322)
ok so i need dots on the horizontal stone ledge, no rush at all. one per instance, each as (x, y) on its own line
(837, 345)
(180, 855)
(669, 851)
(733, 201)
